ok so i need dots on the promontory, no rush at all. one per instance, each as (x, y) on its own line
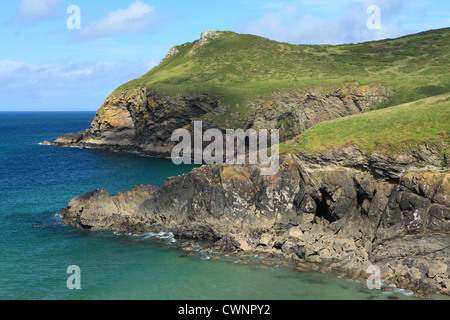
(364, 176)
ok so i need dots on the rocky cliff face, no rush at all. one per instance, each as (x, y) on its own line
(144, 122)
(338, 218)
(140, 122)
(295, 111)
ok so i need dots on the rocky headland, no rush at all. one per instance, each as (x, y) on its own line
(342, 209)
(144, 122)
(324, 214)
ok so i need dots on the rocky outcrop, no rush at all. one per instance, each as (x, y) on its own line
(379, 165)
(295, 111)
(343, 218)
(144, 122)
(206, 37)
(172, 52)
(141, 122)
(105, 212)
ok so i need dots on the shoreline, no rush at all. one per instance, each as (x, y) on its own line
(338, 215)
(261, 260)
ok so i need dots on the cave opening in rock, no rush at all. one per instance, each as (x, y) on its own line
(323, 208)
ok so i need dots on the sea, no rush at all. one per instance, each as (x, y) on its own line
(38, 251)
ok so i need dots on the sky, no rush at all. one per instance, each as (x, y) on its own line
(59, 55)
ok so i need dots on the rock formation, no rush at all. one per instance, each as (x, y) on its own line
(144, 122)
(343, 217)
(340, 210)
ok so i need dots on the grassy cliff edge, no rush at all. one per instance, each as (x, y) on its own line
(387, 131)
(239, 67)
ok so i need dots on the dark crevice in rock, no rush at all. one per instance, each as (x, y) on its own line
(326, 214)
(323, 207)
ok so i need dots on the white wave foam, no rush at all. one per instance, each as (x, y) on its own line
(395, 289)
(162, 235)
(128, 234)
(58, 217)
(146, 236)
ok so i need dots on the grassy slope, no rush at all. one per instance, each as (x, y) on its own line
(388, 131)
(237, 67)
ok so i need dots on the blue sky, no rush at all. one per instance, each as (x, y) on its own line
(45, 66)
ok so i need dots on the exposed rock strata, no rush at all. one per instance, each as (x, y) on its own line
(140, 122)
(295, 111)
(341, 216)
(144, 122)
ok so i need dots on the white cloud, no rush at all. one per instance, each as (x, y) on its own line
(7, 67)
(77, 73)
(138, 17)
(32, 10)
(293, 23)
(62, 85)
(11, 69)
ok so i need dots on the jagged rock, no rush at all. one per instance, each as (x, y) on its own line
(358, 220)
(437, 268)
(99, 210)
(187, 246)
(207, 36)
(306, 266)
(141, 122)
(226, 244)
(172, 52)
(439, 218)
(144, 122)
(293, 250)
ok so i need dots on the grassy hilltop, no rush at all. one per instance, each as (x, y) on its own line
(236, 67)
(239, 67)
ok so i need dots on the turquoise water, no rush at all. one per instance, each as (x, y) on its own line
(36, 249)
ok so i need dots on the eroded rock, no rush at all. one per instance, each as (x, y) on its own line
(356, 220)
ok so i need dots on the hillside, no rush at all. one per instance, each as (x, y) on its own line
(389, 131)
(236, 67)
(232, 81)
(363, 179)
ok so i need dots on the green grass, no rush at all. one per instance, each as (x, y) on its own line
(237, 67)
(387, 131)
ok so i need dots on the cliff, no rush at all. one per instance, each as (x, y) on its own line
(331, 203)
(355, 188)
(144, 122)
(339, 218)
(232, 81)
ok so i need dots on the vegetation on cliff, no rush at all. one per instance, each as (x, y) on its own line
(364, 203)
(236, 67)
(388, 131)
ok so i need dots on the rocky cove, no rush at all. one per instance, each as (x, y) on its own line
(338, 212)
(340, 209)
